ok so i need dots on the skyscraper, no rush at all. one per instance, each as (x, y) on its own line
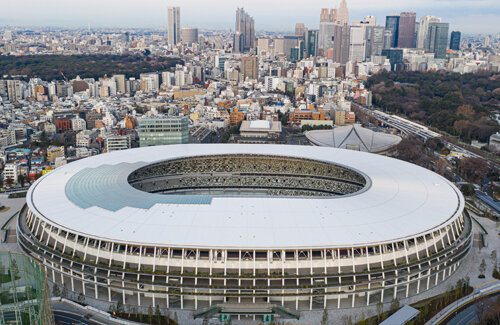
(406, 30)
(174, 25)
(343, 13)
(424, 28)
(374, 41)
(245, 25)
(357, 44)
(437, 39)
(455, 40)
(250, 67)
(189, 35)
(312, 43)
(392, 25)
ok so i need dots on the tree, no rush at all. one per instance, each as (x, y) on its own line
(380, 310)
(482, 268)
(20, 179)
(81, 298)
(176, 318)
(64, 291)
(119, 307)
(324, 320)
(467, 190)
(55, 290)
(394, 305)
(150, 314)
(493, 257)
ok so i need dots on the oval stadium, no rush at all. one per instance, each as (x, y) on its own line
(208, 227)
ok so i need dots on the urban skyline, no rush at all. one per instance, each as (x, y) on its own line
(463, 15)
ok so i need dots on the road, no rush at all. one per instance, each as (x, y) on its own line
(65, 314)
(469, 316)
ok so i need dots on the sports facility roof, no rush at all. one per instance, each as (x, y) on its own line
(353, 136)
(92, 197)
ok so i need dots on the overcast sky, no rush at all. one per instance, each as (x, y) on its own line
(469, 16)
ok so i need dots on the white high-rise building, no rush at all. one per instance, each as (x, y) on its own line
(357, 44)
(423, 29)
(174, 25)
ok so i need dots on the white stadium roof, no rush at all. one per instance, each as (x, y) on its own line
(92, 197)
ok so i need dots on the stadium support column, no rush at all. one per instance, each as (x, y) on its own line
(195, 280)
(95, 271)
(312, 280)
(297, 278)
(405, 242)
(167, 277)
(269, 259)
(239, 276)
(65, 242)
(452, 227)
(253, 281)
(340, 278)
(182, 277)
(419, 265)
(139, 277)
(153, 276)
(210, 265)
(383, 272)
(369, 277)
(283, 257)
(354, 277)
(109, 269)
(123, 273)
(326, 278)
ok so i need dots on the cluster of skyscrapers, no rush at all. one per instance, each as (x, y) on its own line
(337, 39)
(189, 34)
(244, 35)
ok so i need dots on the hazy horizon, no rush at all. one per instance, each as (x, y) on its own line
(464, 15)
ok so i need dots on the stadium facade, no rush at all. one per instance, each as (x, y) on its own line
(197, 226)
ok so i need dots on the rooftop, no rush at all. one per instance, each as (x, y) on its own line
(93, 197)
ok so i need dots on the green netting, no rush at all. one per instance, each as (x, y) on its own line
(24, 297)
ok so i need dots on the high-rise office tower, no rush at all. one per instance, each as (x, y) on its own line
(423, 28)
(250, 67)
(374, 38)
(300, 29)
(312, 43)
(245, 25)
(406, 30)
(189, 35)
(343, 13)
(392, 25)
(341, 44)
(238, 43)
(357, 44)
(174, 25)
(455, 40)
(437, 39)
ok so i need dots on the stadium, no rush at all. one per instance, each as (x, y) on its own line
(245, 228)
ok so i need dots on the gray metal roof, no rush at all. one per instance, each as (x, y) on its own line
(402, 316)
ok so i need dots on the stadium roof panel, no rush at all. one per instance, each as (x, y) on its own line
(92, 197)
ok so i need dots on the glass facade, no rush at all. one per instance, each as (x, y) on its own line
(161, 131)
(392, 24)
(24, 297)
